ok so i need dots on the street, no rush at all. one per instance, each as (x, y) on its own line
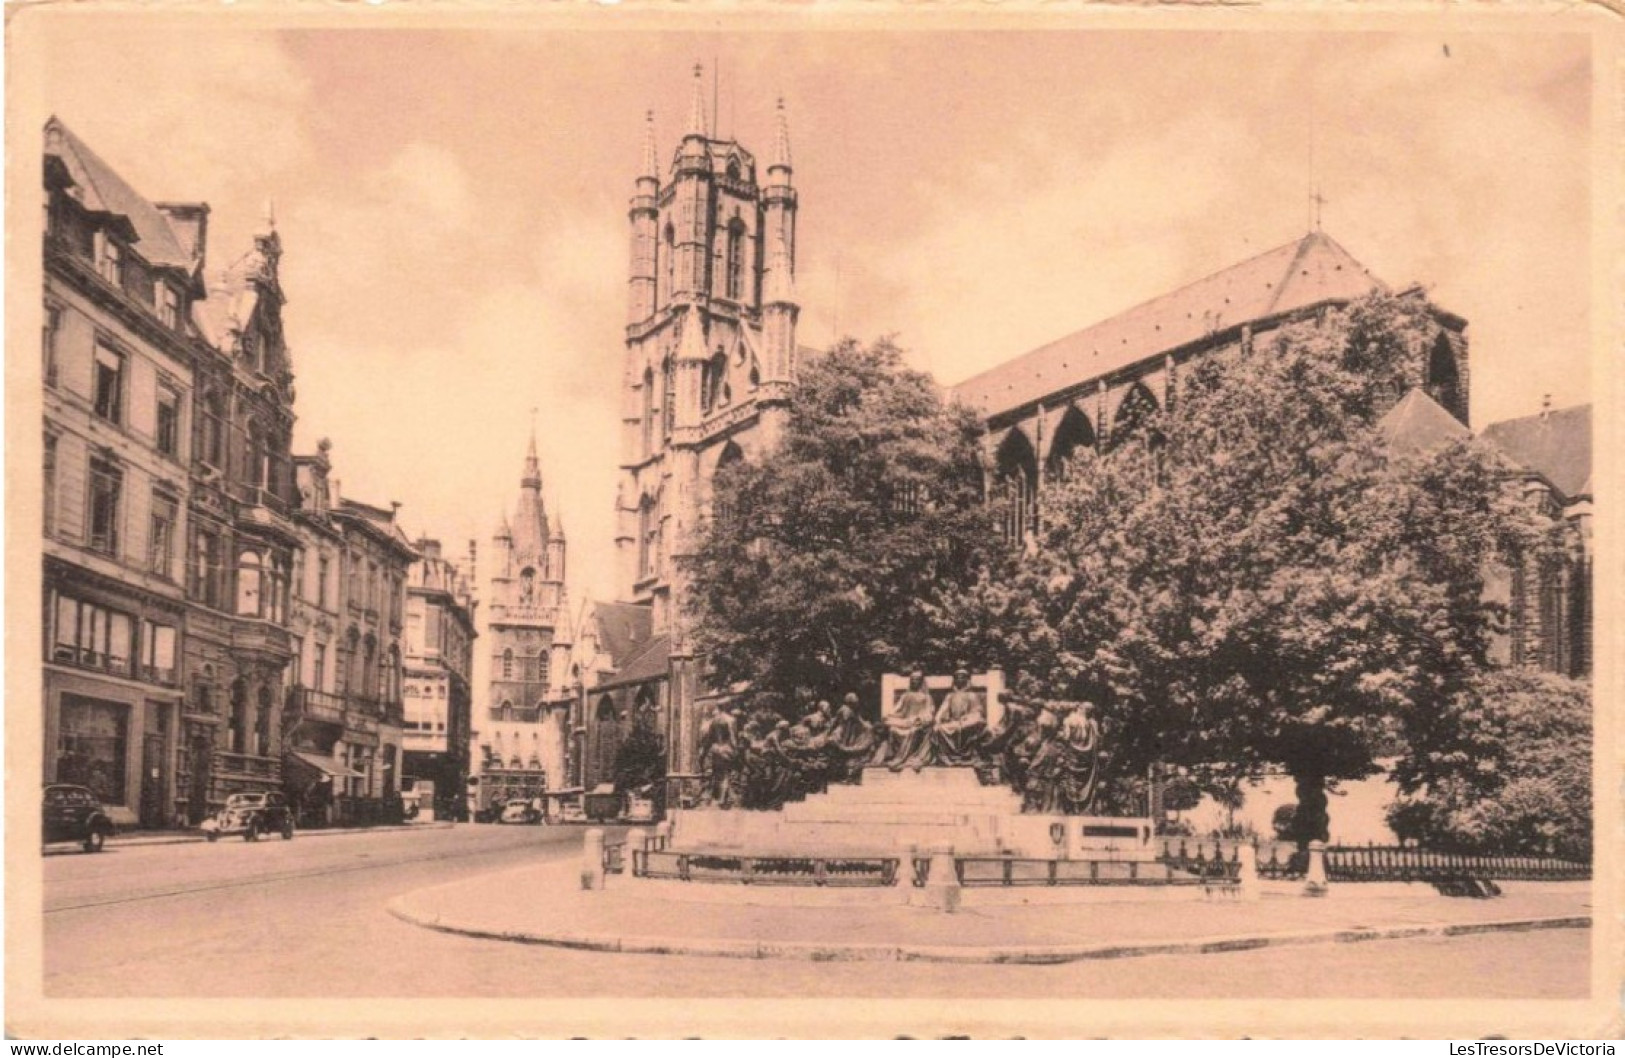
(307, 918)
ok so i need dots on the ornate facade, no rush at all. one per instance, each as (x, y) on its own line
(709, 359)
(438, 692)
(523, 730)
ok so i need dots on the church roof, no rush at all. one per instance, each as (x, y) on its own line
(1419, 423)
(623, 628)
(1310, 271)
(1554, 444)
(650, 662)
(102, 190)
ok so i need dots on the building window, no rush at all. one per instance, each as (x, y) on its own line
(109, 384)
(161, 537)
(106, 483)
(53, 327)
(50, 484)
(648, 412)
(92, 636)
(249, 570)
(169, 306)
(322, 565)
(736, 258)
(109, 259)
(318, 666)
(214, 430)
(542, 669)
(207, 569)
(157, 652)
(169, 421)
(91, 746)
(507, 664)
(646, 537)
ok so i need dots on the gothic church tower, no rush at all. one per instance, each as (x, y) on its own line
(709, 361)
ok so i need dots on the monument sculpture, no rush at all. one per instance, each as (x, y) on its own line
(1048, 753)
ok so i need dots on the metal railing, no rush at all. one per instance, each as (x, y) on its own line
(822, 871)
(975, 871)
(1394, 863)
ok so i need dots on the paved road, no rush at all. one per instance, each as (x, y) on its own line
(307, 918)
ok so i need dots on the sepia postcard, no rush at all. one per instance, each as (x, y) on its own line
(850, 520)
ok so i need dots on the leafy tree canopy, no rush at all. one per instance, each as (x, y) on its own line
(821, 564)
(1255, 581)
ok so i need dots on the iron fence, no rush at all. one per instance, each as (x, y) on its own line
(822, 871)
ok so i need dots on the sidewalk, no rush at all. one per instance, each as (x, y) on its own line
(141, 838)
(626, 917)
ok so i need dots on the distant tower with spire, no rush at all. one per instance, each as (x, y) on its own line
(522, 723)
(709, 359)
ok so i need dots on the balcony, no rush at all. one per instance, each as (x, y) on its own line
(317, 705)
(247, 766)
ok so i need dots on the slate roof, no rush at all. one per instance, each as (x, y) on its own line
(1310, 271)
(1418, 422)
(652, 661)
(1554, 444)
(623, 629)
(102, 190)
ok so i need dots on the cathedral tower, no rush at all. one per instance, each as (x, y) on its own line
(709, 359)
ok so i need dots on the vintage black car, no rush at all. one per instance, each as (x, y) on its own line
(73, 813)
(251, 815)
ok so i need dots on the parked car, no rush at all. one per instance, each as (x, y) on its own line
(251, 814)
(74, 813)
(520, 812)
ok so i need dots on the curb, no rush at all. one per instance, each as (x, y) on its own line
(137, 842)
(820, 951)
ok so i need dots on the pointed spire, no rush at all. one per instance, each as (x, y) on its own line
(696, 113)
(533, 467)
(270, 215)
(781, 142)
(651, 165)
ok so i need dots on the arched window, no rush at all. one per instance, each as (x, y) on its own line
(715, 382)
(1137, 415)
(1443, 379)
(644, 708)
(668, 373)
(507, 664)
(250, 583)
(1015, 486)
(1072, 435)
(736, 259)
(731, 455)
(671, 261)
(239, 722)
(648, 529)
(648, 411)
(262, 723)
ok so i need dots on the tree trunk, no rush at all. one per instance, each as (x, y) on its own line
(1311, 822)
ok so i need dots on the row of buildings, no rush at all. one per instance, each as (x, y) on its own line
(218, 618)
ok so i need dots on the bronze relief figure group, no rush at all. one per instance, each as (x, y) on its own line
(1047, 751)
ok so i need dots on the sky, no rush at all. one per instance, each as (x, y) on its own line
(452, 203)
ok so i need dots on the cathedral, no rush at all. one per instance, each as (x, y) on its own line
(711, 354)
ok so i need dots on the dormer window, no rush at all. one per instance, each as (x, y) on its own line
(169, 305)
(109, 259)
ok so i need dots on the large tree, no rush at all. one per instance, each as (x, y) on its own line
(819, 566)
(1254, 580)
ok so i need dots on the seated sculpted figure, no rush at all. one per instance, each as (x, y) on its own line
(960, 728)
(908, 729)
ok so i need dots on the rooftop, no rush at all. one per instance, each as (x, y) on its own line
(1310, 271)
(1556, 444)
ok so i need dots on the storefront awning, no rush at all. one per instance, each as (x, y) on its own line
(325, 765)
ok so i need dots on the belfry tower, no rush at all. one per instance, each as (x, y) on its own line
(710, 357)
(522, 735)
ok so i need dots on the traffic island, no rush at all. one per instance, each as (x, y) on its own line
(630, 917)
